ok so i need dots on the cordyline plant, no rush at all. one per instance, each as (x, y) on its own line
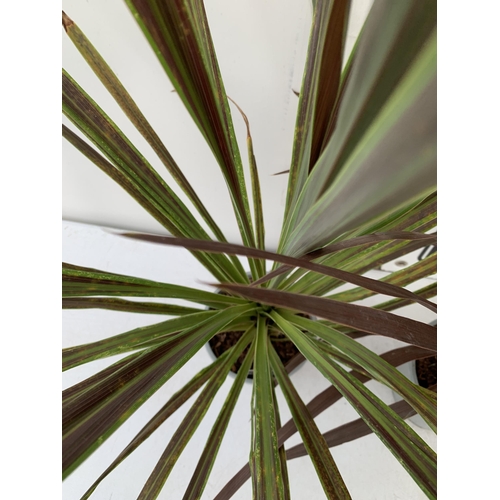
(361, 192)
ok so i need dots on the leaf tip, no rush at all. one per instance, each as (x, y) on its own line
(281, 173)
(67, 22)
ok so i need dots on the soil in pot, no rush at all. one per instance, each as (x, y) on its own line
(426, 371)
(221, 342)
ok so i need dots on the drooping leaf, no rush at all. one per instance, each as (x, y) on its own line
(256, 194)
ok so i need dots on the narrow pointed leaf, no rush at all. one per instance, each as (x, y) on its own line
(419, 217)
(266, 467)
(126, 306)
(317, 448)
(428, 292)
(123, 180)
(427, 239)
(256, 195)
(359, 262)
(134, 339)
(359, 317)
(84, 385)
(79, 281)
(112, 142)
(319, 91)
(331, 395)
(396, 157)
(418, 270)
(353, 242)
(281, 451)
(104, 133)
(329, 77)
(130, 108)
(351, 431)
